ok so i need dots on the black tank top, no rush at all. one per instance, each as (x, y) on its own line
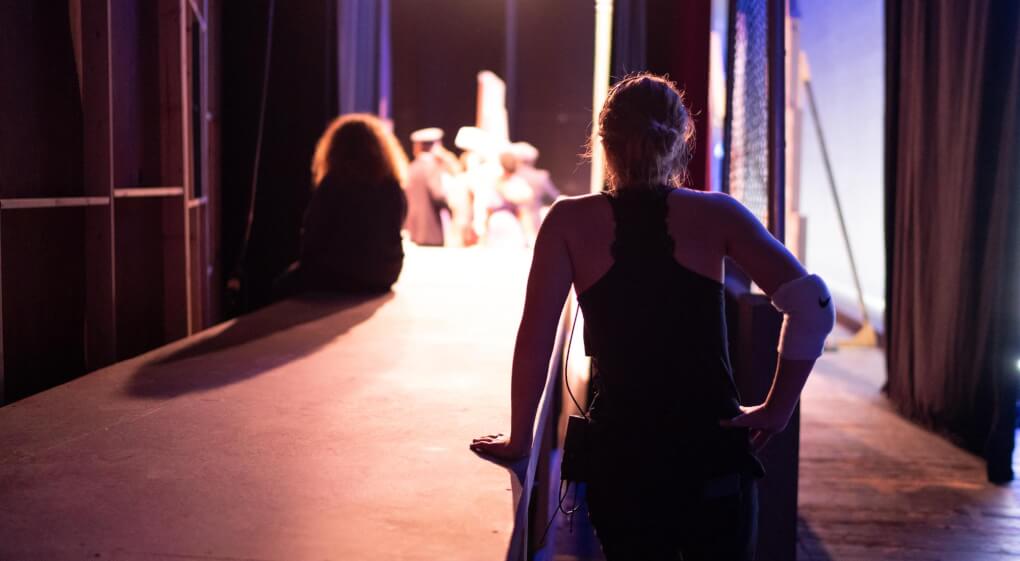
(656, 333)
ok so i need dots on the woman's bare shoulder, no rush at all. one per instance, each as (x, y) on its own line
(578, 207)
(706, 200)
(579, 201)
(713, 205)
(569, 214)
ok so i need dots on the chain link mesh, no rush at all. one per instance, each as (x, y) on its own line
(749, 149)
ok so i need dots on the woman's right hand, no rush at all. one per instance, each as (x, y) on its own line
(774, 413)
(499, 446)
(762, 420)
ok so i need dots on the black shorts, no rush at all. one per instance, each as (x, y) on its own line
(641, 520)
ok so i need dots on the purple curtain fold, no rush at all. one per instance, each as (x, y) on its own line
(952, 220)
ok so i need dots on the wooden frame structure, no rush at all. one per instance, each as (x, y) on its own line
(123, 266)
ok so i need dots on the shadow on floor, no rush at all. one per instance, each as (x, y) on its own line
(575, 537)
(809, 545)
(254, 343)
(517, 470)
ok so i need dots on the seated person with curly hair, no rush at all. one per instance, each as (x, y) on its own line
(351, 236)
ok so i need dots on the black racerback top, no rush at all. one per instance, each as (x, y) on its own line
(656, 333)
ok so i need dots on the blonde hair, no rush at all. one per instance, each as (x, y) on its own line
(647, 132)
(358, 146)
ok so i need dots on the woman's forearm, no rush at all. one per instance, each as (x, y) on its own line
(530, 368)
(548, 284)
(789, 380)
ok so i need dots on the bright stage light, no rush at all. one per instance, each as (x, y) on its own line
(600, 85)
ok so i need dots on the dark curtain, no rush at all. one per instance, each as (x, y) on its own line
(630, 35)
(362, 61)
(301, 100)
(952, 191)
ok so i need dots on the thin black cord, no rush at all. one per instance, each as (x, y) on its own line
(566, 361)
(565, 489)
(576, 507)
(559, 508)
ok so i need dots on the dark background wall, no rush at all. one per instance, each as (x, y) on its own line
(41, 257)
(41, 135)
(440, 46)
(102, 244)
(555, 59)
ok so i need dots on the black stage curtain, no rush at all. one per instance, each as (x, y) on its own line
(301, 100)
(952, 189)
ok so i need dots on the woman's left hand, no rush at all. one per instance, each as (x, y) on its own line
(499, 446)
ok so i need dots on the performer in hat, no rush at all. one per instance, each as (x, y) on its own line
(481, 175)
(539, 179)
(424, 188)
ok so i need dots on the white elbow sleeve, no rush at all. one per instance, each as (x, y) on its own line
(809, 317)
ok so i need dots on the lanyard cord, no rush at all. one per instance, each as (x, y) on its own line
(566, 362)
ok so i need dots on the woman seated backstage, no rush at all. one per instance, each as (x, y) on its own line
(351, 236)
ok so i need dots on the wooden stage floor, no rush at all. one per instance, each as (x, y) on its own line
(874, 486)
(331, 429)
(311, 430)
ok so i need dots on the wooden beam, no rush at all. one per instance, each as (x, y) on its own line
(205, 227)
(187, 141)
(3, 380)
(213, 157)
(102, 65)
(175, 101)
(51, 202)
(140, 192)
(97, 109)
(777, 118)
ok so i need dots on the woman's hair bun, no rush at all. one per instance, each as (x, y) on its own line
(646, 131)
(665, 136)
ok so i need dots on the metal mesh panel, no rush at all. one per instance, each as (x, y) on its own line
(747, 172)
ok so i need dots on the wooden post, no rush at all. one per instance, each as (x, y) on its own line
(777, 118)
(97, 108)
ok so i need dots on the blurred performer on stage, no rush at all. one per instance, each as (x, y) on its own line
(518, 197)
(527, 189)
(458, 229)
(439, 203)
(424, 189)
(539, 179)
(481, 174)
(350, 240)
